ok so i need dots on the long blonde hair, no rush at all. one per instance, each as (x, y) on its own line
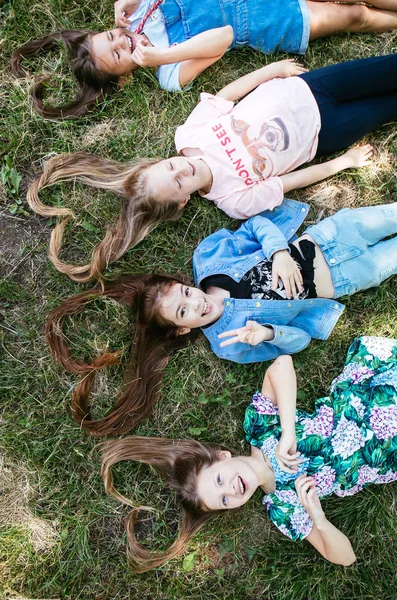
(179, 462)
(139, 215)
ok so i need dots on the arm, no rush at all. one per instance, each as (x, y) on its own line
(325, 537)
(211, 44)
(352, 159)
(242, 86)
(190, 69)
(279, 385)
(264, 342)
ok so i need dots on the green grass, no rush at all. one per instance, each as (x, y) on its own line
(240, 556)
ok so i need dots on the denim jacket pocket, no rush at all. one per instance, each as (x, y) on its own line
(171, 13)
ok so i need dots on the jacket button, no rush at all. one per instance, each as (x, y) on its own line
(332, 261)
(280, 332)
(228, 303)
(256, 257)
(258, 305)
(336, 306)
(289, 304)
(303, 209)
(240, 251)
(236, 274)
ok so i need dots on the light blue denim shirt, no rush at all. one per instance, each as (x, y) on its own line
(269, 26)
(233, 253)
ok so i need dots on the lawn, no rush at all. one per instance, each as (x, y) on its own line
(60, 535)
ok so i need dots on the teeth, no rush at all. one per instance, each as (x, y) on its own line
(205, 307)
(241, 485)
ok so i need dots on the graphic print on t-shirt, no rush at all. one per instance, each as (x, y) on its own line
(273, 136)
(260, 278)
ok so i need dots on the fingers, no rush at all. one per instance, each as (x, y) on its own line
(232, 340)
(119, 17)
(293, 283)
(287, 464)
(275, 278)
(302, 485)
(298, 282)
(237, 335)
(228, 333)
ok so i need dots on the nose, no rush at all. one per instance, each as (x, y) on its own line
(233, 489)
(181, 171)
(120, 41)
(195, 303)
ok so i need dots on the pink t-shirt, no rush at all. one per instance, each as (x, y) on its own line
(272, 131)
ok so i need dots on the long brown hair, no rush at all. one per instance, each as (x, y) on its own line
(179, 462)
(94, 84)
(154, 341)
(140, 211)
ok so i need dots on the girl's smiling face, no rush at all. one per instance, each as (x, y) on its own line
(177, 177)
(112, 51)
(227, 483)
(188, 307)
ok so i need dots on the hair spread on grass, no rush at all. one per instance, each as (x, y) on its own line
(179, 462)
(139, 215)
(94, 84)
(154, 341)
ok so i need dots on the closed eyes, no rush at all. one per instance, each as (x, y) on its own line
(171, 169)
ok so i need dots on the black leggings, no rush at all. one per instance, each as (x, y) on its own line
(354, 98)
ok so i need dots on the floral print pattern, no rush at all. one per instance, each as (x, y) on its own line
(348, 442)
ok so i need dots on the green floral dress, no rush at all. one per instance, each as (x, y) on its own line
(348, 442)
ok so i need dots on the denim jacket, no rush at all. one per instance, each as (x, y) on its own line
(233, 253)
(271, 28)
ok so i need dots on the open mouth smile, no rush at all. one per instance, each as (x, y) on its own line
(206, 309)
(242, 486)
(131, 43)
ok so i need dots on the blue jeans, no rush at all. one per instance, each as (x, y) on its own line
(353, 98)
(354, 247)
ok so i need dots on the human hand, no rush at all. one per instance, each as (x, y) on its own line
(306, 489)
(359, 156)
(285, 268)
(286, 454)
(124, 9)
(145, 55)
(253, 333)
(286, 68)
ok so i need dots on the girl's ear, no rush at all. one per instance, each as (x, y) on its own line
(184, 330)
(124, 79)
(184, 202)
(223, 454)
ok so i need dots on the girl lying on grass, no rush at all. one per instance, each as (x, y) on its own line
(242, 157)
(242, 304)
(296, 458)
(183, 38)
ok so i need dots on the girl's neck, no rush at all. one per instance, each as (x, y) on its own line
(263, 470)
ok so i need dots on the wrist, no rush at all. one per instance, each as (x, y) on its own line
(346, 161)
(280, 253)
(321, 521)
(268, 333)
(288, 429)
